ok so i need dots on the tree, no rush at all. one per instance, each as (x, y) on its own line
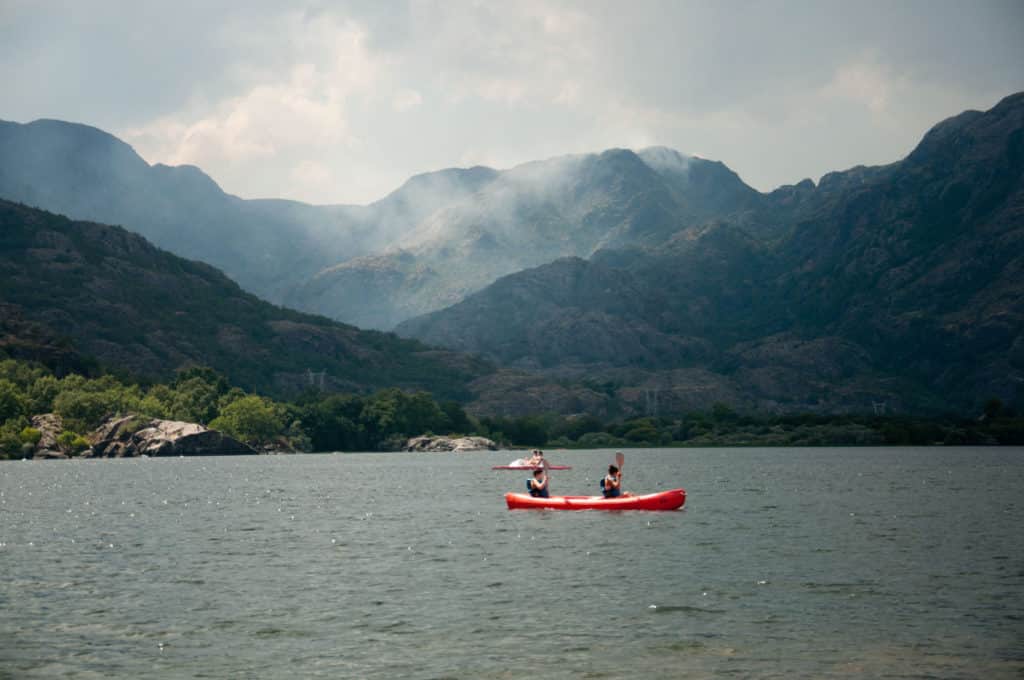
(158, 402)
(10, 439)
(12, 402)
(574, 427)
(204, 374)
(394, 412)
(83, 410)
(41, 394)
(457, 419)
(253, 420)
(333, 423)
(993, 408)
(195, 400)
(20, 373)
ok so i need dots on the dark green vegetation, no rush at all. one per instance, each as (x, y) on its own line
(721, 426)
(901, 284)
(316, 421)
(73, 290)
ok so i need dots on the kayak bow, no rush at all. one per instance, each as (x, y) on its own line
(663, 500)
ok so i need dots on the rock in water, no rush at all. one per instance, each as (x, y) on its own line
(457, 444)
(137, 436)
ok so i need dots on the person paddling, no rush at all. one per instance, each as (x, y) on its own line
(611, 485)
(538, 485)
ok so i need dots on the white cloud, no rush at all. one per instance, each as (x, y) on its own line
(865, 82)
(406, 100)
(332, 102)
(297, 109)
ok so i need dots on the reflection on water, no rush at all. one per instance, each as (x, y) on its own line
(785, 563)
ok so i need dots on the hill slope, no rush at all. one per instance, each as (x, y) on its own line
(268, 246)
(141, 309)
(906, 280)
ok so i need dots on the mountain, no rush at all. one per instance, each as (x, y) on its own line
(268, 245)
(437, 238)
(73, 289)
(899, 284)
(523, 217)
(88, 174)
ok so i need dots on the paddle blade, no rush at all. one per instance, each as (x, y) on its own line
(619, 459)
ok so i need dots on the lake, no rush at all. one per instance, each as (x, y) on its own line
(786, 563)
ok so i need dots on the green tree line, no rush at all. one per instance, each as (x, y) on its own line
(383, 420)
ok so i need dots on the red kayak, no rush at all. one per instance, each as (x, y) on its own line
(663, 500)
(530, 467)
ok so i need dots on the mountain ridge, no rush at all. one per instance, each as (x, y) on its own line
(527, 215)
(462, 227)
(908, 271)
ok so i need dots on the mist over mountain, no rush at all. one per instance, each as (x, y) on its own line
(76, 292)
(901, 284)
(269, 246)
(523, 217)
(435, 239)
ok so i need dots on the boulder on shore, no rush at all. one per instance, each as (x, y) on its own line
(130, 436)
(457, 444)
(50, 425)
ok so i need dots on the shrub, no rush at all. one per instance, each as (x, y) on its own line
(71, 442)
(30, 435)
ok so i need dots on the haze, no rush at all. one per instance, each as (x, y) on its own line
(341, 102)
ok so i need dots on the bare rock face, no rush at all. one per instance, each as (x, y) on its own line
(457, 444)
(137, 436)
(50, 425)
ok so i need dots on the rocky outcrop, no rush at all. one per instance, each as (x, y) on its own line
(456, 444)
(130, 436)
(50, 425)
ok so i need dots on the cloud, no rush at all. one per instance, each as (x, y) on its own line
(294, 109)
(406, 100)
(864, 82)
(342, 101)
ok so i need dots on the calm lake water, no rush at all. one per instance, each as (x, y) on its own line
(884, 562)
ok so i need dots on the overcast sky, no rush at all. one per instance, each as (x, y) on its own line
(339, 102)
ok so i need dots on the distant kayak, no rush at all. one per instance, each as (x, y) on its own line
(531, 467)
(663, 500)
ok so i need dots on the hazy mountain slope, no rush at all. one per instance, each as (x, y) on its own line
(88, 174)
(141, 309)
(908, 272)
(435, 239)
(523, 217)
